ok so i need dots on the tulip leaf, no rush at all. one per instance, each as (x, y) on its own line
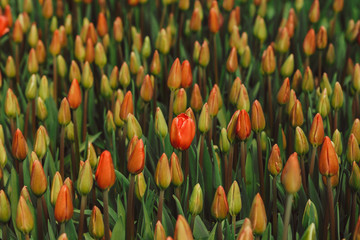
(200, 230)
(213, 232)
(313, 193)
(14, 198)
(118, 230)
(267, 234)
(70, 230)
(51, 231)
(147, 223)
(178, 206)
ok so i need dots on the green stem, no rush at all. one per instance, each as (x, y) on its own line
(192, 223)
(352, 215)
(33, 117)
(4, 232)
(81, 221)
(261, 167)
(312, 162)
(303, 173)
(219, 231)
(77, 148)
(271, 117)
(274, 207)
(106, 214)
(62, 146)
(21, 175)
(26, 124)
(62, 228)
(163, 16)
(177, 192)
(331, 208)
(27, 237)
(335, 119)
(17, 63)
(39, 219)
(215, 60)
(160, 206)
(84, 124)
(243, 161)
(130, 210)
(54, 80)
(319, 70)
(233, 220)
(287, 216)
(171, 108)
(201, 152)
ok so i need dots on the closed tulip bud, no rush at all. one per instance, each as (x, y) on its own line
(74, 95)
(24, 217)
(283, 95)
(180, 101)
(64, 116)
(146, 48)
(134, 63)
(287, 68)
(219, 206)
(232, 61)
(235, 91)
(79, 49)
(296, 115)
(90, 31)
(297, 81)
(224, 141)
(17, 34)
(259, 30)
(310, 233)
(338, 5)
(63, 237)
(40, 52)
(246, 232)
(55, 45)
(62, 66)
(275, 162)
(204, 119)
(309, 45)
(109, 122)
(127, 106)
(232, 23)
(349, 67)
(3, 156)
(321, 38)
(53, 24)
(257, 117)
(301, 142)
(355, 129)
(196, 52)
(328, 160)
(282, 42)
(182, 132)
(352, 30)
(191, 114)
(105, 88)
(174, 79)
(263, 141)
(102, 27)
(87, 53)
(161, 128)
(204, 55)
(5, 211)
(163, 42)
(353, 151)
(243, 125)
(196, 200)
(235, 39)
(91, 155)
(155, 66)
(38, 181)
(19, 146)
(118, 30)
(113, 79)
(213, 21)
(177, 176)
(291, 176)
(105, 173)
(310, 215)
(85, 179)
(184, 5)
(323, 105)
(31, 88)
(186, 75)
(337, 99)
(356, 77)
(325, 84)
(10, 69)
(42, 141)
(234, 199)
(182, 229)
(100, 55)
(64, 206)
(163, 173)
(354, 179)
(140, 186)
(32, 159)
(136, 156)
(258, 215)
(308, 81)
(69, 132)
(316, 133)
(140, 75)
(47, 9)
(330, 54)
(231, 128)
(32, 65)
(243, 102)
(75, 74)
(68, 24)
(314, 13)
(196, 101)
(159, 231)
(337, 142)
(12, 108)
(268, 61)
(70, 186)
(133, 127)
(55, 188)
(146, 91)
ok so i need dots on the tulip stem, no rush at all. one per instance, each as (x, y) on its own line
(331, 208)
(154, 97)
(4, 232)
(27, 237)
(84, 124)
(287, 215)
(55, 81)
(201, 152)
(335, 120)
(219, 231)
(192, 223)
(17, 63)
(303, 173)
(226, 164)
(319, 70)
(62, 143)
(243, 161)
(233, 220)
(228, 175)
(160, 207)
(26, 123)
(312, 162)
(44, 208)
(352, 215)
(177, 192)
(130, 210)
(171, 108)
(163, 16)
(106, 214)
(260, 163)
(274, 207)
(121, 58)
(81, 221)
(270, 102)
(62, 228)
(215, 60)
(77, 148)
(21, 175)
(39, 218)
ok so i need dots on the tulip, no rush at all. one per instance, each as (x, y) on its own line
(182, 132)
(182, 229)
(127, 106)
(353, 150)
(163, 173)
(186, 75)
(24, 217)
(19, 146)
(96, 224)
(246, 232)
(291, 177)
(219, 207)
(354, 179)
(177, 176)
(4, 23)
(204, 55)
(57, 182)
(180, 101)
(309, 45)
(234, 201)
(161, 128)
(147, 91)
(296, 115)
(105, 173)
(283, 95)
(243, 125)
(268, 61)
(314, 13)
(260, 31)
(275, 162)
(328, 160)
(196, 200)
(133, 127)
(64, 206)
(310, 233)
(159, 233)
(231, 128)
(136, 156)
(11, 107)
(140, 186)
(38, 181)
(5, 211)
(287, 68)
(74, 95)
(258, 215)
(257, 117)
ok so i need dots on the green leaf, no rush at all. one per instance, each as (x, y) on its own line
(118, 232)
(178, 206)
(200, 230)
(13, 192)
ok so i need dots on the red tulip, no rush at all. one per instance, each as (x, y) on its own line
(105, 173)
(3, 25)
(243, 125)
(182, 132)
(74, 95)
(64, 206)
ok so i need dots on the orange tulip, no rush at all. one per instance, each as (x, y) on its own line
(64, 206)
(186, 75)
(136, 156)
(243, 125)
(291, 175)
(19, 146)
(174, 79)
(105, 173)
(182, 132)
(4, 23)
(328, 160)
(127, 106)
(74, 95)
(316, 134)
(102, 27)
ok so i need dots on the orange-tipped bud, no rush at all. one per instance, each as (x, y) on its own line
(186, 74)
(337, 98)
(105, 173)
(328, 160)
(246, 232)
(213, 21)
(177, 176)
(64, 209)
(354, 179)
(180, 101)
(118, 29)
(10, 69)
(159, 233)
(196, 101)
(297, 79)
(182, 132)
(100, 55)
(163, 173)
(243, 125)
(291, 176)
(321, 38)
(57, 183)
(282, 41)
(146, 91)
(301, 142)
(338, 5)
(182, 229)
(74, 95)
(96, 223)
(204, 119)
(32, 65)
(127, 106)
(64, 116)
(257, 117)
(195, 21)
(309, 45)
(55, 45)
(314, 13)
(85, 179)
(296, 115)
(38, 181)
(17, 34)
(5, 210)
(204, 56)
(353, 150)
(219, 206)
(258, 215)
(232, 61)
(308, 81)
(19, 146)
(235, 91)
(260, 30)
(174, 79)
(24, 217)
(275, 162)
(268, 61)
(231, 128)
(283, 95)
(287, 68)
(316, 133)
(136, 156)
(102, 27)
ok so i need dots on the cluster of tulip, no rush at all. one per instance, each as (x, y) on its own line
(82, 79)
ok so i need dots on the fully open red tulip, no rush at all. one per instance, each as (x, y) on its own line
(64, 208)
(105, 173)
(182, 132)
(19, 146)
(328, 160)
(243, 125)
(3, 25)
(74, 95)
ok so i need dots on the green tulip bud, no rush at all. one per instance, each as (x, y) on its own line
(85, 179)
(196, 200)
(234, 199)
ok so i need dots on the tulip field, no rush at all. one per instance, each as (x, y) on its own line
(180, 119)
